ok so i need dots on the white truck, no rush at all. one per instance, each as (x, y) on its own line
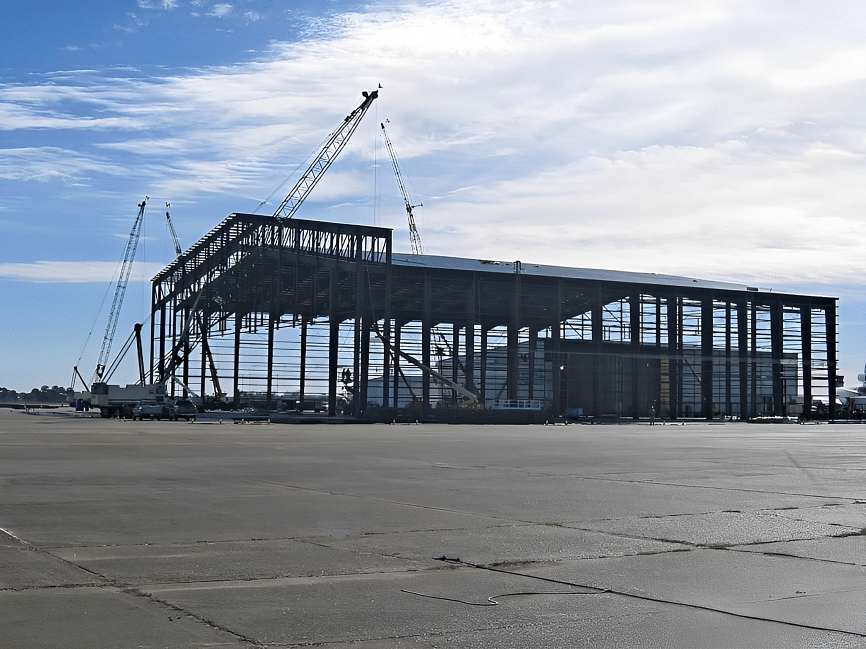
(118, 401)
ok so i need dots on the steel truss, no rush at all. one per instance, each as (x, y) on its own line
(297, 315)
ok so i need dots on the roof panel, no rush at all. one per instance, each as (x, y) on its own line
(509, 267)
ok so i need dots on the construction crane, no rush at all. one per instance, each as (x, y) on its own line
(177, 249)
(333, 145)
(417, 249)
(119, 292)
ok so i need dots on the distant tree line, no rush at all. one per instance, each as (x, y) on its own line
(45, 394)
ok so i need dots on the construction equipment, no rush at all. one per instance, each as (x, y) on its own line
(177, 249)
(118, 401)
(471, 397)
(119, 292)
(135, 337)
(417, 249)
(220, 395)
(333, 145)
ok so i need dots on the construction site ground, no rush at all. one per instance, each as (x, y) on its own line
(217, 534)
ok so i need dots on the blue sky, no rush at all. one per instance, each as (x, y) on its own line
(714, 139)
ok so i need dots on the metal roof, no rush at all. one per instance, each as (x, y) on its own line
(511, 267)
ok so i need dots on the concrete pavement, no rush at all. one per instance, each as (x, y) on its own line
(167, 534)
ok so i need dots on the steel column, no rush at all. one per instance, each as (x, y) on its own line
(806, 355)
(237, 361)
(743, 353)
(830, 318)
(333, 342)
(672, 309)
(707, 358)
(776, 349)
(634, 313)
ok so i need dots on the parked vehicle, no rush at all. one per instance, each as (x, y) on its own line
(153, 411)
(118, 401)
(184, 408)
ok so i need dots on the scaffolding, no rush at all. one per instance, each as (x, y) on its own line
(296, 314)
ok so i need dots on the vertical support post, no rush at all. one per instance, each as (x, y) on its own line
(533, 349)
(161, 361)
(728, 346)
(270, 378)
(186, 351)
(361, 381)
(512, 339)
(356, 361)
(634, 316)
(152, 330)
(707, 357)
(556, 354)
(743, 353)
(333, 342)
(469, 336)
(830, 319)
(776, 349)
(425, 342)
(386, 347)
(302, 387)
(681, 314)
(672, 309)
(237, 361)
(205, 319)
(396, 357)
(597, 324)
(483, 364)
(806, 356)
(389, 289)
(455, 356)
(657, 398)
(754, 349)
(360, 292)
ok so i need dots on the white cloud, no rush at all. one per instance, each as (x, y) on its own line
(51, 164)
(714, 138)
(74, 271)
(221, 10)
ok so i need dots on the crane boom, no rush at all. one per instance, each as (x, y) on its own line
(417, 249)
(177, 249)
(120, 291)
(333, 145)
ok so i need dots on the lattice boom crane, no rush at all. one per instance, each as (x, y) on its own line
(177, 249)
(119, 292)
(334, 144)
(417, 249)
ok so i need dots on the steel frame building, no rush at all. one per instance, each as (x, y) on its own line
(288, 308)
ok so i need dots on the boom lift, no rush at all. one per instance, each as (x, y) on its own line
(333, 145)
(417, 249)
